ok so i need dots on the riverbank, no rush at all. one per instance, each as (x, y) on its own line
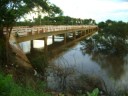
(81, 85)
(75, 57)
(18, 80)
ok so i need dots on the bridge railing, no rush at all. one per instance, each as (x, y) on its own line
(26, 30)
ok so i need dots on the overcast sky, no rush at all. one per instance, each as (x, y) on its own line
(100, 10)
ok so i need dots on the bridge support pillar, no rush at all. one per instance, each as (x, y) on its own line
(88, 31)
(45, 44)
(74, 35)
(31, 44)
(91, 30)
(65, 35)
(81, 33)
(53, 38)
(84, 33)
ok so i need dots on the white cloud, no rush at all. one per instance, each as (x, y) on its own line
(95, 9)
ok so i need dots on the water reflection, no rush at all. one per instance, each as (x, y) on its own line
(110, 53)
(85, 59)
(113, 65)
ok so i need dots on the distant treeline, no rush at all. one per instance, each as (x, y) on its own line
(116, 29)
(60, 20)
(112, 38)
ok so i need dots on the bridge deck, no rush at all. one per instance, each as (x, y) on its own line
(36, 32)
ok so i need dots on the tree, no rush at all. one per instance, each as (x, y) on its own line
(111, 39)
(11, 11)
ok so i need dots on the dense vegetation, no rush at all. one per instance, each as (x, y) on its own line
(111, 38)
(108, 47)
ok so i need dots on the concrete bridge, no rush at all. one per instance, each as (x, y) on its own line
(26, 33)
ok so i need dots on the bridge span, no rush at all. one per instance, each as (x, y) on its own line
(27, 33)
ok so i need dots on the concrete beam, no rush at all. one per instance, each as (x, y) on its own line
(46, 34)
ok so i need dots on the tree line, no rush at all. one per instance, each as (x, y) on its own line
(56, 20)
(111, 38)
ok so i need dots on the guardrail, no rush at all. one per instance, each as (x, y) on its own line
(26, 30)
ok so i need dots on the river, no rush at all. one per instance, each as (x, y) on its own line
(113, 70)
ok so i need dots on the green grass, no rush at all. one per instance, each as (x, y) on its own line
(9, 88)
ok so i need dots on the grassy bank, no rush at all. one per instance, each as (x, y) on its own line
(9, 88)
